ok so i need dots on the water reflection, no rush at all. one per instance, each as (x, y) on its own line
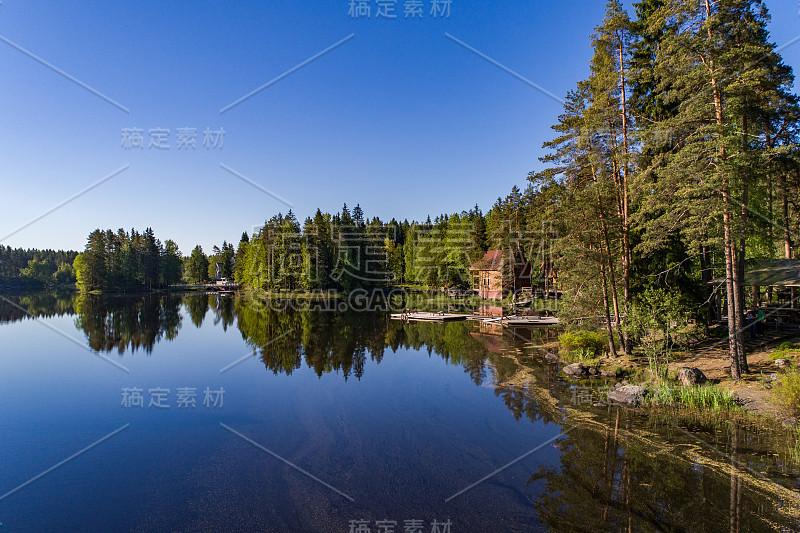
(38, 304)
(617, 471)
(615, 477)
(120, 324)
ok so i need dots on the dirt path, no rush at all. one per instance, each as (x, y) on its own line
(713, 359)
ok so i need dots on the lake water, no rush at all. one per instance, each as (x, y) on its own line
(334, 421)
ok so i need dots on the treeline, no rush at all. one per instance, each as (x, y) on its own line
(676, 161)
(199, 268)
(346, 250)
(35, 268)
(127, 261)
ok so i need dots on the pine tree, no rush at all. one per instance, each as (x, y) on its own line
(717, 67)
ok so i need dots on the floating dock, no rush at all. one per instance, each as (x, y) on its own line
(516, 320)
(511, 320)
(428, 317)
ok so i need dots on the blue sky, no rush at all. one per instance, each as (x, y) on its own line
(398, 118)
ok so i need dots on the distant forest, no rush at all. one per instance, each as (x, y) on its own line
(36, 268)
(340, 251)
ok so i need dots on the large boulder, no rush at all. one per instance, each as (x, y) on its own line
(691, 376)
(576, 369)
(630, 395)
(550, 357)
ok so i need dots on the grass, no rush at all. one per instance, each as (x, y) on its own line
(786, 392)
(707, 397)
(794, 446)
(785, 351)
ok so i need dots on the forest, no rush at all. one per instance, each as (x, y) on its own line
(675, 163)
(35, 268)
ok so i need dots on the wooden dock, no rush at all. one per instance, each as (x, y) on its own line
(208, 287)
(516, 320)
(512, 320)
(428, 317)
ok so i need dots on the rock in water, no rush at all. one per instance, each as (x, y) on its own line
(630, 395)
(691, 376)
(576, 369)
(550, 357)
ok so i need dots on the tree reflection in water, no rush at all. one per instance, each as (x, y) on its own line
(617, 470)
(127, 323)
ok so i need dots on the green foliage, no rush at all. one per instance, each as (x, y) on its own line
(38, 272)
(786, 392)
(583, 344)
(196, 266)
(123, 261)
(21, 267)
(658, 320)
(345, 251)
(708, 397)
(223, 257)
(787, 350)
(171, 270)
(65, 274)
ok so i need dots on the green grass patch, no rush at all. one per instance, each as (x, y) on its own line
(707, 397)
(583, 345)
(581, 357)
(794, 444)
(786, 392)
(787, 350)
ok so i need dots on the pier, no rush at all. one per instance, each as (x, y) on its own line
(510, 320)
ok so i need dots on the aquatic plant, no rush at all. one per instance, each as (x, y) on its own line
(786, 392)
(707, 397)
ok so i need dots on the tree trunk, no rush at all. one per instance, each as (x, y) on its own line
(742, 251)
(626, 242)
(610, 262)
(735, 338)
(787, 234)
(612, 351)
(706, 276)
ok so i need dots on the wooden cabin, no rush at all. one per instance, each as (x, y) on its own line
(500, 273)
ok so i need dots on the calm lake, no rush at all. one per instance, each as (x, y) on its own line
(206, 413)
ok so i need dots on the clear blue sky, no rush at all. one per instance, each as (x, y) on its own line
(399, 118)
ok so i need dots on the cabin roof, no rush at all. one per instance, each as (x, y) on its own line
(491, 260)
